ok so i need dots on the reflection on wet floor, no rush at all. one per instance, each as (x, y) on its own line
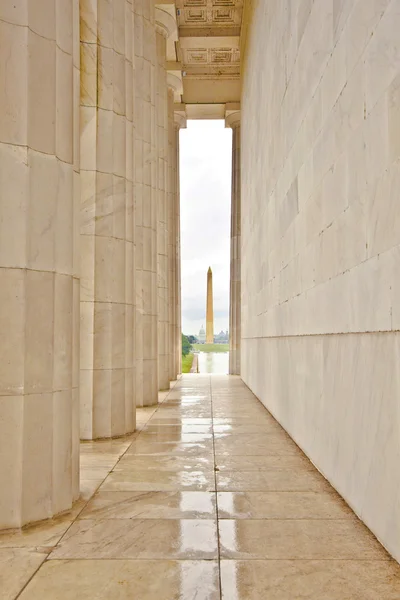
(209, 499)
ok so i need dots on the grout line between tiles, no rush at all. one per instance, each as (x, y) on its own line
(216, 491)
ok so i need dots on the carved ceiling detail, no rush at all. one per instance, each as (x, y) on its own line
(208, 46)
(209, 12)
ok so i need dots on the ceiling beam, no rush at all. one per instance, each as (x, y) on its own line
(210, 42)
(211, 31)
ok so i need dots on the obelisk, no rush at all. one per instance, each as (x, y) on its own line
(210, 310)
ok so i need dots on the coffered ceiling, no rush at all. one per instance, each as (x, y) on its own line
(208, 49)
(205, 14)
(203, 53)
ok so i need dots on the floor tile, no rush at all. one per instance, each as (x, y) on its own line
(172, 411)
(89, 486)
(271, 445)
(165, 463)
(182, 421)
(262, 462)
(107, 446)
(43, 535)
(96, 472)
(189, 400)
(125, 580)
(246, 428)
(256, 415)
(283, 480)
(282, 505)
(152, 480)
(98, 460)
(242, 419)
(309, 580)
(172, 449)
(17, 565)
(296, 540)
(151, 505)
(160, 428)
(144, 539)
(166, 436)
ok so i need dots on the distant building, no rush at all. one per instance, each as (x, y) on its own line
(202, 335)
(222, 337)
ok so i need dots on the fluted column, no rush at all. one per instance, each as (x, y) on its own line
(39, 285)
(162, 207)
(107, 220)
(172, 240)
(145, 204)
(138, 198)
(233, 121)
(179, 122)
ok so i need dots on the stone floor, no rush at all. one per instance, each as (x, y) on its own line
(209, 499)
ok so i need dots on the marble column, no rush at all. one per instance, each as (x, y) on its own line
(39, 271)
(162, 205)
(233, 121)
(179, 123)
(107, 220)
(138, 197)
(146, 344)
(172, 238)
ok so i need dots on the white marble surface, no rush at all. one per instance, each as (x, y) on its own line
(107, 221)
(39, 278)
(320, 240)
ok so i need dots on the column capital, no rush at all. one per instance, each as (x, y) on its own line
(180, 117)
(174, 82)
(232, 118)
(165, 21)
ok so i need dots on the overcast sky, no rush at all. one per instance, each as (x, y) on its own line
(205, 172)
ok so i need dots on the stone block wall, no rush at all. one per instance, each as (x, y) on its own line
(320, 239)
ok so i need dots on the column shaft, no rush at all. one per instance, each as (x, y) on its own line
(39, 285)
(177, 254)
(172, 226)
(148, 204)
(138, 193)
(107, 220)
(235, 280)
(162, 214)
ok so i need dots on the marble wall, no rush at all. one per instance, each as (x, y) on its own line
(39, 266)
(320, 239)
(107, 220)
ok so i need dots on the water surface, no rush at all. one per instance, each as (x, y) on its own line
(214, 362)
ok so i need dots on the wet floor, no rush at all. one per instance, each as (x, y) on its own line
(210, 500)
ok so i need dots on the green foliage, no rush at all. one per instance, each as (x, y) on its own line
(186, 345)
(187, 362)
(192, 339)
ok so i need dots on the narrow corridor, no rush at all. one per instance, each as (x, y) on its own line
(209, 499)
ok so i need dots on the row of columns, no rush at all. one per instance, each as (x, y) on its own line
(89, 239)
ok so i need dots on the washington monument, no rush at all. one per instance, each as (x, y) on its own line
(210, 310)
